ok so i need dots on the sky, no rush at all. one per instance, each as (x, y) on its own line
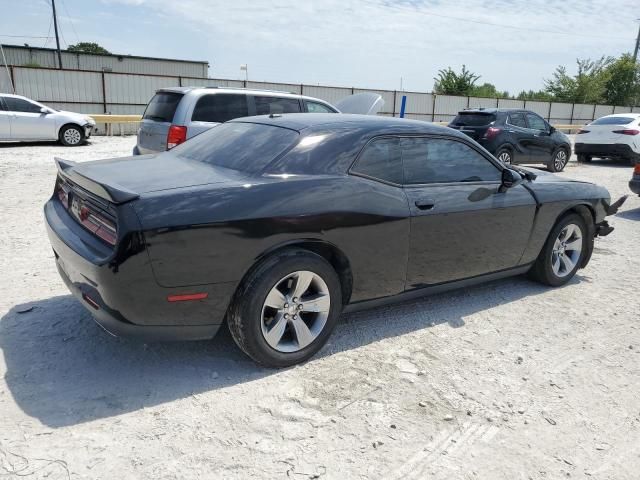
(513, 44)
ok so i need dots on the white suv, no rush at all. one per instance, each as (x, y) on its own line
(176, 114)
(25, 120)
(614, 136)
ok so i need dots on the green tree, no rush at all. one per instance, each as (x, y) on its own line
(622, 85)
(488, 90)
(449, 82)
(540, 95)
(87, 47)
(587, 86)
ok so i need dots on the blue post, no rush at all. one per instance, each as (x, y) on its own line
(403, 105)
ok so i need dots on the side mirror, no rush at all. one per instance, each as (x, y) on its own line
(45, 110)
(510, 179)
(552, 129)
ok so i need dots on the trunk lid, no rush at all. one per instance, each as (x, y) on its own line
(601, 134)
(120, 180)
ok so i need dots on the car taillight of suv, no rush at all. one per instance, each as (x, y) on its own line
(177, 134)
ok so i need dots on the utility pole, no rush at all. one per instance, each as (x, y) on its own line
(635, 51)
(55, 28)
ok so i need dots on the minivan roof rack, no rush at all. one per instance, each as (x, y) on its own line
(256, 89)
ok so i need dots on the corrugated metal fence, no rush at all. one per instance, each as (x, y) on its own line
(124, 93)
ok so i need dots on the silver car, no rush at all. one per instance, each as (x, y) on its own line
(25, 120)
(176, 114)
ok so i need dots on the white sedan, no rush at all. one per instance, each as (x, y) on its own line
(614, 136)
(25, 120)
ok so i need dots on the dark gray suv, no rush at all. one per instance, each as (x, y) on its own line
(515, 136)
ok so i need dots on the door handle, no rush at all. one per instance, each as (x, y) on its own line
(425, 203)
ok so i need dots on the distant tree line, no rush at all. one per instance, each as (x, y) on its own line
(608, 80)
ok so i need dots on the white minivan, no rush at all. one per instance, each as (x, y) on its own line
(178, 113)
(25, 120)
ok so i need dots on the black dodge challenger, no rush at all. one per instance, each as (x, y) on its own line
(277, 224)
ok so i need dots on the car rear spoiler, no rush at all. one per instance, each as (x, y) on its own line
(112, 193)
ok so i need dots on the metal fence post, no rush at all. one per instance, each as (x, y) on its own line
(573, 106)
(433, 107)
(395, 93)
(593, 115)
(549, 114)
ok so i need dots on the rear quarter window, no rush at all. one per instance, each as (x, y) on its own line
(246, 147)
(473, 119)
(162, 107)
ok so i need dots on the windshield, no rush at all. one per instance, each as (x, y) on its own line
(247, 147)
(473, 119)
(162, 107)
(613, 121)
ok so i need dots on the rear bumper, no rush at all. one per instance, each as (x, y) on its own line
(120, 290)
(634, 185)
(620, 150)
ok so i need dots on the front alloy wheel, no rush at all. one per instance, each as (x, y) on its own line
(567, 250)
(563, 253)
(295, 311)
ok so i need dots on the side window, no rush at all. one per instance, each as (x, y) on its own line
(381, 159)
(315, 107)
(21, 105)
(536, 123)
(517, 120)
(220, 108)
(269, 105)
(437, 160)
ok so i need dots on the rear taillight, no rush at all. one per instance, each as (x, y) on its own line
(636, 169)
(176, 135)
(627, 131)
(581, 131)
(91, 217)
(492, 132)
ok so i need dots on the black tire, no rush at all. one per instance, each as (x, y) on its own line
(542, 270)
(507, 155)
(582, 158)
(559, 160)
(71, 136)
(245, 313)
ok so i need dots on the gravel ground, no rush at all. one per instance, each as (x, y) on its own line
(508, 380)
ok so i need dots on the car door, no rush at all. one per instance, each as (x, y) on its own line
(461, 225)
(519, 133)
(541, 144)
(5, 122)
(27, 120)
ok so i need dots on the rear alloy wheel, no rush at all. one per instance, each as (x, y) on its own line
(562, 253)
(71, 136)
(560, 160)
(584, 158)
(286, 308)
(505, 156)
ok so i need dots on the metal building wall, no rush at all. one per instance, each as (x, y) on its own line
(116, 63)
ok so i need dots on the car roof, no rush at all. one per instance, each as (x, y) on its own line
(492, 110)
(251, 91)
(366, 123)
(628, 114)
